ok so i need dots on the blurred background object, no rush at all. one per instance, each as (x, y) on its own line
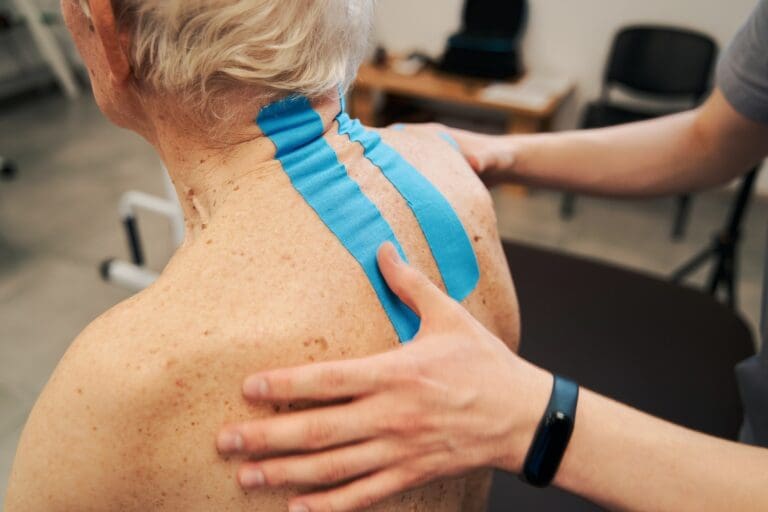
(134, 274)
(663, 70)
(35, 45)
(497, 66)
(488, 44)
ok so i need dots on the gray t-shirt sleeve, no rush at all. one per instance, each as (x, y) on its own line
(742, 73)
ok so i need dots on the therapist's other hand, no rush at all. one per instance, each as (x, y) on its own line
(485, 153)
(452, 400)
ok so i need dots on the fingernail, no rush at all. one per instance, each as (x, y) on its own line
(229, 442)
(394, 254)
(255, 387)
(298, 508)
(252, 478)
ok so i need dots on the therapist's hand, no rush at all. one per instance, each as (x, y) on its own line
(452, 400)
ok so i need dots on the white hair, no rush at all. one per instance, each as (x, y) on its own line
(202, 49)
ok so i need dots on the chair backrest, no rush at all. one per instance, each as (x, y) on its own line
(496, 18)
(662, 61)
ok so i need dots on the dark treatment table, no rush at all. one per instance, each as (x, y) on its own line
(644, 341)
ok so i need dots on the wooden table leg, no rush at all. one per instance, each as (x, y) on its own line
(363, 105)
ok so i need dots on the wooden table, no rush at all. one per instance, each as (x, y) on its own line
(433, 85)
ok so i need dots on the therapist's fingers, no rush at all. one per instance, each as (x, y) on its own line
(411, 286)
(323, 468)
(305, 430)
(324, 381)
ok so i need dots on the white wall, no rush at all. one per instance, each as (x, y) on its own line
(565, 37)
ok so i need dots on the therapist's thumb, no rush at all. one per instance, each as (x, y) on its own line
(413, 287)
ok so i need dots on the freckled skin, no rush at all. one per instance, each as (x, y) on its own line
(128, 420)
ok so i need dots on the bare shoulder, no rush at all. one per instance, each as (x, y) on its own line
(440, 162)
(78, 407)
(494, 303)
(108, 430)
(443, 165)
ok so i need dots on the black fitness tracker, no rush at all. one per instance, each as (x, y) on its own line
(552, 436)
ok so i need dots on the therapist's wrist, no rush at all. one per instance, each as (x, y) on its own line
(505, 158)
(529, 394)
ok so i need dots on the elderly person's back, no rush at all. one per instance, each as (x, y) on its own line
(286, 201)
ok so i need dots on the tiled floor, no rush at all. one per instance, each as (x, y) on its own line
(58, 221)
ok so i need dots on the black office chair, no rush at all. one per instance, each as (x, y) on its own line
(664, 64)
(665, 349)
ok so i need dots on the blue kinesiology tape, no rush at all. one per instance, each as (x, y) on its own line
(316, 173)
(442, 228)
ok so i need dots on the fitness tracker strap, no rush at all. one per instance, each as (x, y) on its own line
(552, 435)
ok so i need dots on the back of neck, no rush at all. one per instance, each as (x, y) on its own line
(205, 172)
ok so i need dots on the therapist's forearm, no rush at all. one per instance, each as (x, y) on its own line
(673, 154)
(628, 460)
(655, 157)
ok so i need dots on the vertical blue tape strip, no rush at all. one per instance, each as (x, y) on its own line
(442, 228)
(316, 173)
